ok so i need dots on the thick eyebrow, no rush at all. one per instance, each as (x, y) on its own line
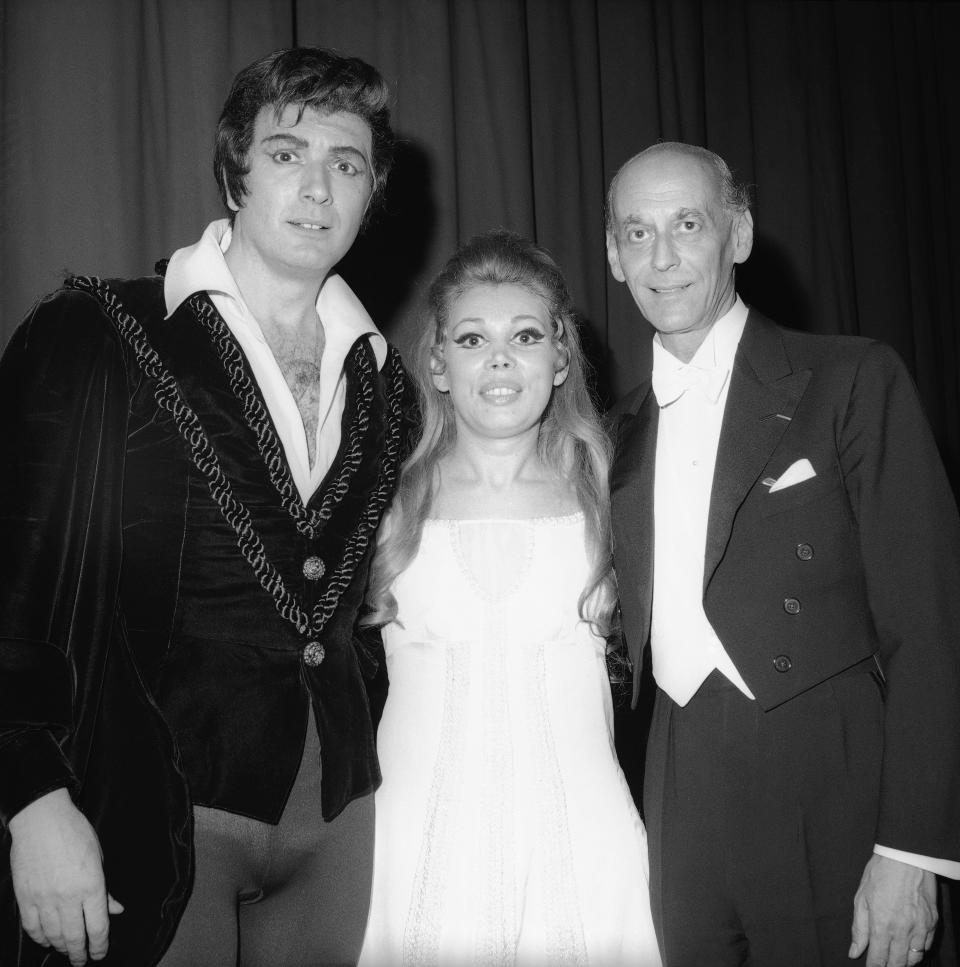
(687, 212)
(285, 139)
(350, 151)
(628, 221)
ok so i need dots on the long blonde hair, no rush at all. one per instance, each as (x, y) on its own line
(571, 440)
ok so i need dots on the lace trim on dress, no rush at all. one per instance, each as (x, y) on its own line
(496, 940)
(549, 519)
(168, 397)
(565, 940)
(453, 531)
(424, 925)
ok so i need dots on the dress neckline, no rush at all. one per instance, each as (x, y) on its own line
(546, 519)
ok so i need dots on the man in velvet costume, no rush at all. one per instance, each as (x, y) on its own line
(196, 467)
(786, 542)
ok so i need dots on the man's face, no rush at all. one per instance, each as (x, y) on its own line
(675, 246)
(307, 191)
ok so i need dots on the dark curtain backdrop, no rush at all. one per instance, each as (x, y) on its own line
(844, 116)
(516, 113)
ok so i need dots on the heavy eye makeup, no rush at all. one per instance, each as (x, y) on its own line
(284, 156)
(283, 147)
(528, 336)
(469, 340)
(347, 160)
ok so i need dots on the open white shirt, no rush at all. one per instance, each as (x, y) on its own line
(202, 267)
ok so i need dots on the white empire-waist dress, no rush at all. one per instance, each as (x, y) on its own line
(505, 831)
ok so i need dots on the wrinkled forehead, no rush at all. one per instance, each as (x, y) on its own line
(664, 183)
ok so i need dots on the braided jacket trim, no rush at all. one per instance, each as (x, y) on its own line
(360, 360)
(168, 398)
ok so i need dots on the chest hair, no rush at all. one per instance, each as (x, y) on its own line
(298, 354)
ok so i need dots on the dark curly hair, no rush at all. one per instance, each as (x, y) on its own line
(311, 77)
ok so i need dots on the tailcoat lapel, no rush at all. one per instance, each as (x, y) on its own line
(763, 396)
(631, 488)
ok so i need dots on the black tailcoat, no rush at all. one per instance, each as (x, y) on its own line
(883, 573)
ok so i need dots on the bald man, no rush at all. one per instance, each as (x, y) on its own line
(786, 543)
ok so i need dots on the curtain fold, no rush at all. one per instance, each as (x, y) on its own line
(107, 115)
(516, 113)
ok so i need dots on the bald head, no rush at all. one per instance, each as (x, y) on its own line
(675, 231)
(734, 195)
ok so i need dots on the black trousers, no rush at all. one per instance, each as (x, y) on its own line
(760, 823)
(291, 895)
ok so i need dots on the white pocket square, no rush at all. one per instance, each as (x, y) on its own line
(794, 474)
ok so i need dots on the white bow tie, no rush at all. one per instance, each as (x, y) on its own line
(671, 382)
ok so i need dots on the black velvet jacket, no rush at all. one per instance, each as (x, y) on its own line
(154, 599)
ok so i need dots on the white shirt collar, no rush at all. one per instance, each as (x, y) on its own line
(201, 267)
(718, 348)
(710, 367)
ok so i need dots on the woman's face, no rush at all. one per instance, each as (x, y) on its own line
(500, 361)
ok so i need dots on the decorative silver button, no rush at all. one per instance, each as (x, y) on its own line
(313, 653)
(791, 605)
(313, 568)
(782, 663)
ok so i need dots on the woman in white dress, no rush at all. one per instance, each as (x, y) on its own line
(505, 831)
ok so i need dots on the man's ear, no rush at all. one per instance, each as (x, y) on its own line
(613, 257)
(231, 204)
(742, 231)
(368, 208)
(438, 369)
